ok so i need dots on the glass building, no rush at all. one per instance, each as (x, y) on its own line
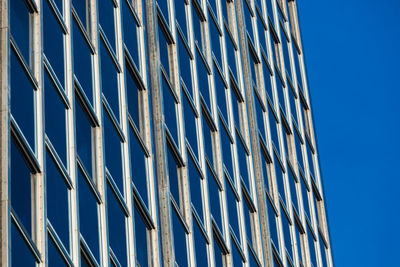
(157, 133)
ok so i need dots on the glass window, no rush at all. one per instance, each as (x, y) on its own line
(248, 15)
(113, 154)
(138, 165)
(226, 149)
(310, 156)
(57, 200)
(130, 27)
(200, 245)
(88, 216)
(285, 50)
(83, 136)
(163, 47)
(53, 41)
(82, 56)
(184, 64)
(22, 98)
(214, 193)
(293, 194)
(106, 20)
(195, 187)
(207, 135)
(116, 227)
(232, 206)
(141, 239)
(273, 128)
(215, 39)
(81, 8)
(311, 246)
(279, 178)
(220, 91)
(20, 25)
(163, 4)
(109, 79)
(54, 254)
(299, 153)
(237, 259)
(272, 223)
(217, 253)
(323, 253)
(304, 192)
(259, 109)
(169, 103)
(133, 96)
(173, 175)
(202, 77)
(230, 51)
(280, 87)
(292, 100)
(190, 123)
(247, 221)
(21, 255)
(242, 160)
(179, 233)
(286, 233)
(55, 118)
(21, 188)
(261, 31)
(267, 81)
(180, 8)
(197, 20)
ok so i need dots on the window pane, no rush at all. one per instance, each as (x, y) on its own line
(81, 9)
(22, 99)
(55, 258)
(173, 175)
(130, 33)
(200, 245)
(55, 124)
(106, 19)
(141, 239)
(134, 103)
(138, 165)
(116, 227)
(195, 187)
(57, 200)
(190, 124)
(88, 218)
(19, 26)
(21, 188)
(179, 240)
(20, 253)
(214, 198)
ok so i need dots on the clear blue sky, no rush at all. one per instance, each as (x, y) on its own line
(352, 50)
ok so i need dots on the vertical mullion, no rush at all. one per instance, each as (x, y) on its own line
(71, 143)
(5, 184)
(99, 159)
(125, 147)
(39, 214)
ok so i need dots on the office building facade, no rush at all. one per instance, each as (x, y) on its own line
(157, 133)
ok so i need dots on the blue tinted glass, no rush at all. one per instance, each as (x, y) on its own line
(304, 192)
(173, 175)
(106, 19)
(279, 179)
(220, 90)
(310, 160)
(242, 159)
(232, 209)
(130, 33)
(82, 62)
(141, 239)
(267, 178)
(163, 46)
(252, 69)
(267, 81)
(323, 253)
(197, 26)
(112, 143)
(170, 109)
(133, 97)
(163, 4)
(226, 147)
(311, 245)
(261, 34)
(273, 129)
(230, 50)
(190, 124)
(299, 241)
(109, 79)
(213, 4)
(202, 78)
(116, 227)
(179, 240)
(57, 200)
(285, 52)
(53, 41)
(21, 199)
(85, 262)
(235, 108)
(200, 245)
(19, 26)
(269, 8)
(55, 123)
(215, 41)
(299, 153)
(181, 16)
(252, 260)
(247, 222)
(195, 187)
(83, 136)
(224, 8)
(292, 183)
(88, 222)
(272, 224)
(279, 89)
(22, 100)
(293, 110)
(273, 47)
(217, 253)
(184, 63)
(55, 258)
(286, 233)
(260, 115)
(138, 165)
(80, 7)
(20, 253)
(213, 193)
(236, 258)
(248, 18)
(207, 141)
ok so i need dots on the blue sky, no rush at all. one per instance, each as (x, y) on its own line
(352, 50)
